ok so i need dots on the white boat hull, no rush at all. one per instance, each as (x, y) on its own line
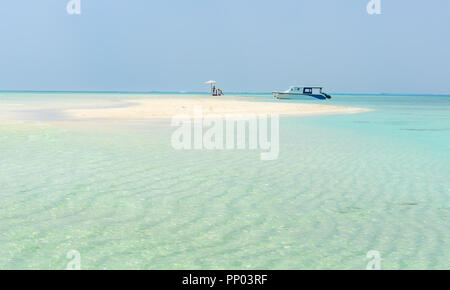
(297, 96)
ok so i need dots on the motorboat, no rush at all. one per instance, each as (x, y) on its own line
(302, 93)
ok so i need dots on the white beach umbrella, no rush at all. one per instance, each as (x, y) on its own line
(211, 83)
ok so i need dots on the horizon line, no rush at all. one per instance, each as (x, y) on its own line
(206, 93)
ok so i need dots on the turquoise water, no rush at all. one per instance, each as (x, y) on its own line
(118, 193)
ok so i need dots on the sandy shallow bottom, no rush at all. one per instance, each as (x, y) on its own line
(117, 192)
(167, 108)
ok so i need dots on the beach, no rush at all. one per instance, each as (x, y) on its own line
(170, 107)
(224, 135)
(122, 108)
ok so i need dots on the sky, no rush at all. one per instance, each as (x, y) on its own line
(246, 45)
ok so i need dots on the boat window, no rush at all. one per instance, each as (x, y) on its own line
(307, 90)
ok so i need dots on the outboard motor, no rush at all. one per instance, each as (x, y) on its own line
(327, 96)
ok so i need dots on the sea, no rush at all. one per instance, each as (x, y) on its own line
(346, 191)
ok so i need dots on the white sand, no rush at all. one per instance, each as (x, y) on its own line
(170, 107)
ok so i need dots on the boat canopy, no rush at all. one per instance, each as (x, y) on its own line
(304, 90)
(309, 87)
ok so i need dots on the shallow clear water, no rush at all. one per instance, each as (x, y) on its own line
(120, 195)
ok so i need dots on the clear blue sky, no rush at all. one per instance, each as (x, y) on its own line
(247, 45)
